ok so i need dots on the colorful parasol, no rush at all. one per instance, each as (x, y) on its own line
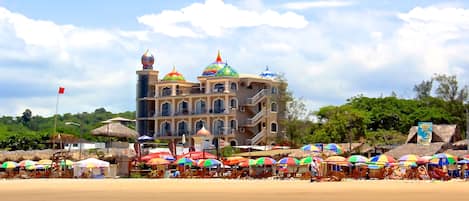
(68, 163)
(163, 155)
(409, 158)
(382, 159)
(336, 160)
(357, 159)
(45, 162)
(26, 163)
(235, 160)
(157, 161)
(265, 161)
(288, 161)
(334, 148)
(92, 163)
(310, 147)
(443, 159)
(196, 155)
(249, 162)
(464, 161)
(408, 163)
(308, 160)
(424, 160)
(37, 167)
(185, 161)
(9, 164)
(466, 157)
(208, 162)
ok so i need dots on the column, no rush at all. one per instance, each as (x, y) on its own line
(208, 89)
(173, 107)
(157, 91)
(173, 90)
(227, 105)
(226, 125)
(227, 87)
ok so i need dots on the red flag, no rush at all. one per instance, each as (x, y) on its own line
(61, 90)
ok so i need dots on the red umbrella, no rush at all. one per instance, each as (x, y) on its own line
(163, 155)
(196, 155)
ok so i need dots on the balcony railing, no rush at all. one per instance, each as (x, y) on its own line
(252, 121)
(254, 99)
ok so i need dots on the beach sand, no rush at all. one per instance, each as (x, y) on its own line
(228, 190)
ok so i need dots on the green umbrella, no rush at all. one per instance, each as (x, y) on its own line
(265, 161)
(9, 164)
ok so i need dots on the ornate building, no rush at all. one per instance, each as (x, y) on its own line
(240, 109)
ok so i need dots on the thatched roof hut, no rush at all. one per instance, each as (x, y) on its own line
(461, 143)
(441, 133)
(458, 153)
(421, 150)
(115, 130)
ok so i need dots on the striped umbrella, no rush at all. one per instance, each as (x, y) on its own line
(308, 160)
(68, 163)
(157, 161)
(310, 147)
(45, 162)
(9, 164)
(185, 161)
(443, 159)
(382, 159)
(408, 163)
(424, 160)
(288, 161)
(208, 163)
(249, 162)
(357, 159)
(265, 161)
(37, 167)
(466, 157)
(409, 158)
(334, 148)
(26, 163)
(464, 161)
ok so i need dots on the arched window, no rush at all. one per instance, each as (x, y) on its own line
(273, 127)
(182, 128)
(166, 109)
(233, 143)
(273, 107)
(233, 124)
(233, 103)
(233, 86)
(219, 87)
(218, 127)
(218, 106)
(274, 90)
(200, 107)
(199, 124)
(166, 129)
(183, 108)
(166, 91)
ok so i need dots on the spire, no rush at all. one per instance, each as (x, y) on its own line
(266, 68)
(174, 69)
(219, 57)
(147, 53)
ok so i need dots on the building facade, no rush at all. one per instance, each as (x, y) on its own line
(240, 109)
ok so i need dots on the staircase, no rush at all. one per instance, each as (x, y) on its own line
(254, 120)
(258, 137)
(256, 98)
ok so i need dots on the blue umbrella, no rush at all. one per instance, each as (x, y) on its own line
(465, 161)
(144, 138)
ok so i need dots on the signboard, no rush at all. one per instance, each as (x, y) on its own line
(424, 133)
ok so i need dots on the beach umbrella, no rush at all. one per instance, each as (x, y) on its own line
(163, 155)
(37, 167)
(382, 159)
(443, 159)
(409, 158)
(92, 163)
(424, 160)
(208, 162)
(334, 148)
(144, 138)
(249, 162)
(45, 162)
(357, 159)
(408, 163)
(234, 160)
(310, 147)
(66, 163)
(336, 160)
(464, 161)
(466, 157)
(185, 161)
(288, 161)
(265, 161)
(9, 164)
(308, 160)
(157, 161)
(26, 163)
(196, 155)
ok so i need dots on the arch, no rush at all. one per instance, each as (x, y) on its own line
(199, 124)
(234, 103)
(273, 127)
(165, 129)
(233, 86)
(233, 142)
(218, 106)
(219, 87)
(218, 127)
(182, 128)
(183, 107)
(273, 107)
(233, 124)
(200, 106)
(166, 109)
(166, 91)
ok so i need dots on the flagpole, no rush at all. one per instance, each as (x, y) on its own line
(55, 117)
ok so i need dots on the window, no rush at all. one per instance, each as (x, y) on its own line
(218, 106)
(182, 128)
(200, 107)
(274, 90)
(199, 124)
(273, 127)
(219, 88)
(166, 91)
(273, 107)
(233, 103)
(183, 108)
(233, 124)
(233, 86)
(166, 109)
(166, 129)
(75, 145)
(218, 127)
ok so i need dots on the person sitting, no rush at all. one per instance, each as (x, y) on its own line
(422, 173)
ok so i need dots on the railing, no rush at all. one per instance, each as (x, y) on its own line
(254, 99)
(252, 121)
(258, 137)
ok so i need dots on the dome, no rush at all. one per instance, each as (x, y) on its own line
(268, 74)
(203, 132)
(227, 71)
(213, 68)
(148, 60)
(174, 76)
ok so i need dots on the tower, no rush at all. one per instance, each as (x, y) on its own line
(146, 90)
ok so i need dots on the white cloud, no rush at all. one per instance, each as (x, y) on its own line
(316, 4)
(214, 17)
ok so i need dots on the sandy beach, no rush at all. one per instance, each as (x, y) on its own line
(228, 190)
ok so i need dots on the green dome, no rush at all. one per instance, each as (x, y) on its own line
(227, 71)
(174, 76)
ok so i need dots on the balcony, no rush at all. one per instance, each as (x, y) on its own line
(257, 97)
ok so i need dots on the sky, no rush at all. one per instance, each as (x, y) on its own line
(329, 51)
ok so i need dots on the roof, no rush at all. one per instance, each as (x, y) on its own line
(118, 119)
(203, 132)
(174, 75)
(115, 130)
(458, 153)
(420, 150)
(227, 71)
(461, 143)
(441, 133)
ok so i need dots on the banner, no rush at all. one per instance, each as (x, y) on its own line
(424, 133)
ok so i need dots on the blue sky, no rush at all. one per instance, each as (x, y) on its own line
(328, 50)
